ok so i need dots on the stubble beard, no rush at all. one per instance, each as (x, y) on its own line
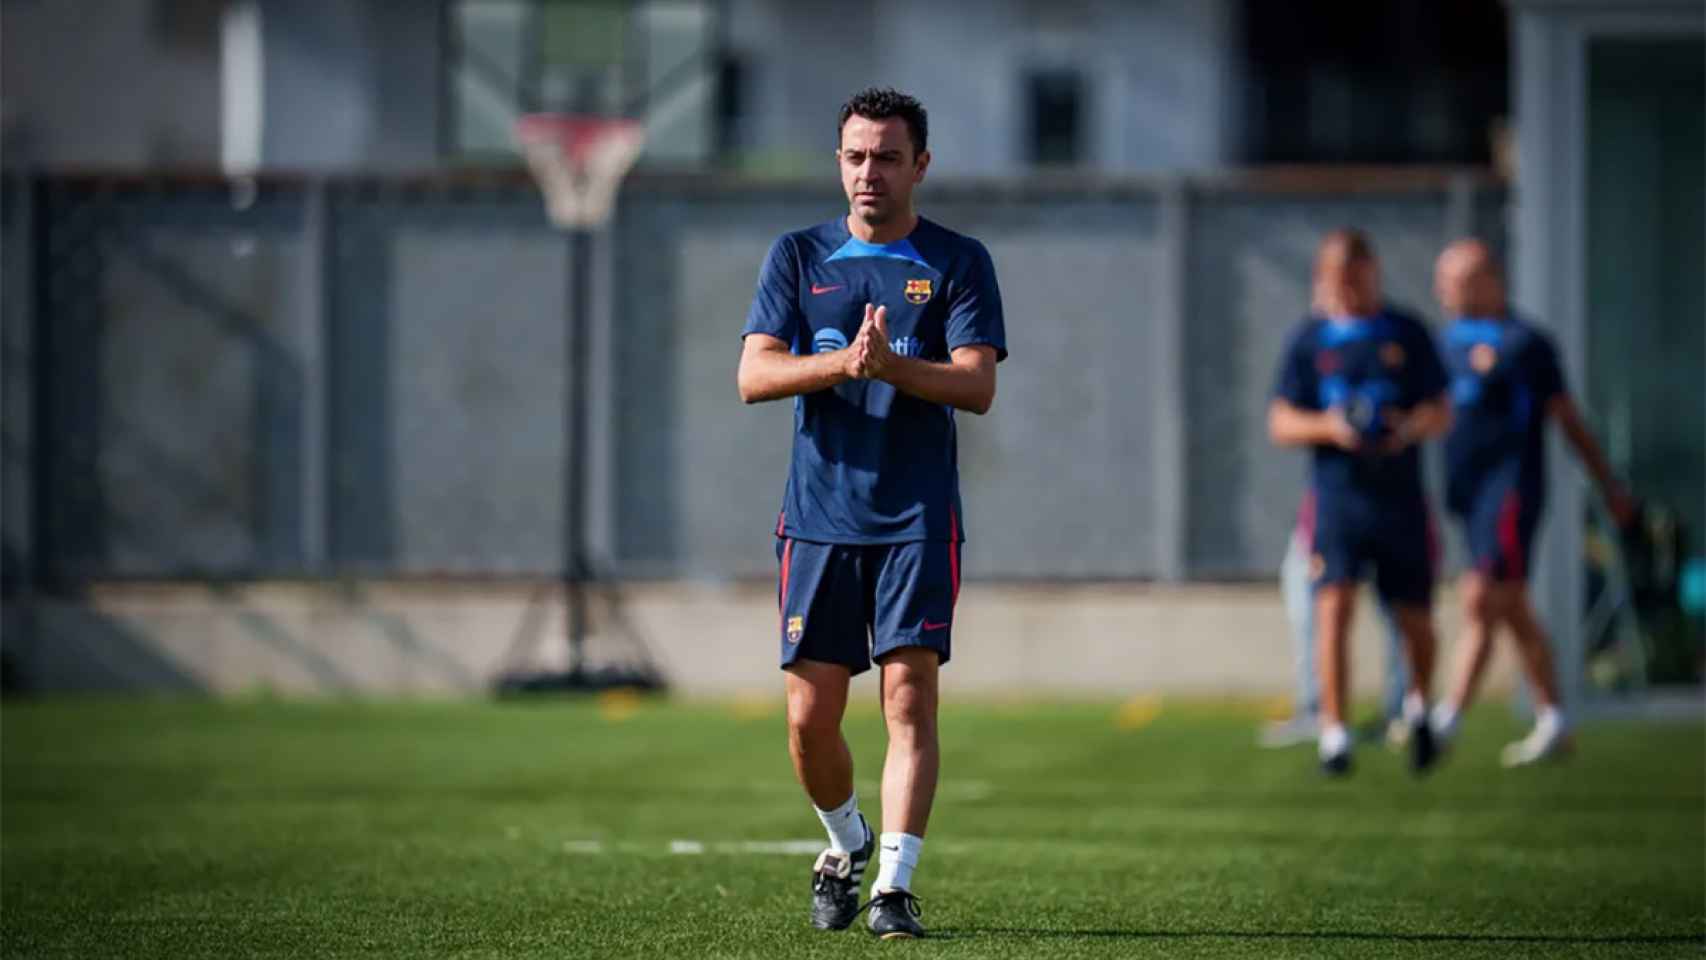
(873, 215)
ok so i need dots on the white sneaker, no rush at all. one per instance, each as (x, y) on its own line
(1443, 719)
(1443, 725)
(1334, 751)
(1546, 741)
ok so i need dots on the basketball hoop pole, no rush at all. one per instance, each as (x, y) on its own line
(578, 162)
(576, 423)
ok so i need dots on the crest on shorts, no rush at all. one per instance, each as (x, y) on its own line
(1482, 357)
(917, 291)
(1392, 355)
(796, 629)
(1317, 566)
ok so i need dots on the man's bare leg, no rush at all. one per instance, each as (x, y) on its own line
(1417, 624)
(1532, 644)
(817, 699)
(1482, 614)
(910, 698)
(1335, 603)
(1551, 735)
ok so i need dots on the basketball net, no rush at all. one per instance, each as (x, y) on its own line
(579, 161)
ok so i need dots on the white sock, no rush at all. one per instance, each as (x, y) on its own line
(1444, 719)
(1334, 740)
(846, 827)
(1549, 719)
(896, 858)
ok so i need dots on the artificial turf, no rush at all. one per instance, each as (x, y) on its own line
(628, 827)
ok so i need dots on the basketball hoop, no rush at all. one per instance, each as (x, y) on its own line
(578, 161)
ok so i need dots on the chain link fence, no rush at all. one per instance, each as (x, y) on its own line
(364, 377)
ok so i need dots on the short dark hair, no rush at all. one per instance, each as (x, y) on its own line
(881, 103)
(1346, 245)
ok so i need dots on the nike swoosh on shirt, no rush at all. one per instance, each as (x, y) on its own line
(830, 288)
(935, 626)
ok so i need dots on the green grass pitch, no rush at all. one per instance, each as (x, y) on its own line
(579, 828)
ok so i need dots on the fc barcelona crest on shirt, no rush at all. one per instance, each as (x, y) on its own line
(796, 629)
(1392, 355)
(917, 291)
(1482, 358)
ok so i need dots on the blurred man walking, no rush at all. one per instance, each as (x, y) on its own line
(1505, 385)
(1362, 386)
(1298, 592)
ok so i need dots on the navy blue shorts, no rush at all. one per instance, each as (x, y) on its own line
(851, 604)
(1500, 528)
(1398, 541)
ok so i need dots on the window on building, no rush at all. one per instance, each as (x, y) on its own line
(731, 106)
(1400, 81)
(1055, 129)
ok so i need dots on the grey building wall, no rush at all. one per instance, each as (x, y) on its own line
(1160, 77)
(356, 84)
(136, 84)
(109, 83)
(350, 86)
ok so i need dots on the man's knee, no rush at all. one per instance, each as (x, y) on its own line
(1416, 624)
(1334, 597)
(909, 707)
(809, 725)
(1333, 605)
(815, 705)
(1510, 602)
(909, 697)
(1478, 597)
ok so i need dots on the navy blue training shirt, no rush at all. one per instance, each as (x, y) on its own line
(1504, 372)
(1363, 366)
(871, 464)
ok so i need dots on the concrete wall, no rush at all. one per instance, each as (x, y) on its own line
(457, 638)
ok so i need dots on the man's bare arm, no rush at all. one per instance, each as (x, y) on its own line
(965, 382)
(1291, 426)
(1422, 422)
(769, 370)
(1563, 410)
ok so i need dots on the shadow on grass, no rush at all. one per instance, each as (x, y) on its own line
(1020, 933)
